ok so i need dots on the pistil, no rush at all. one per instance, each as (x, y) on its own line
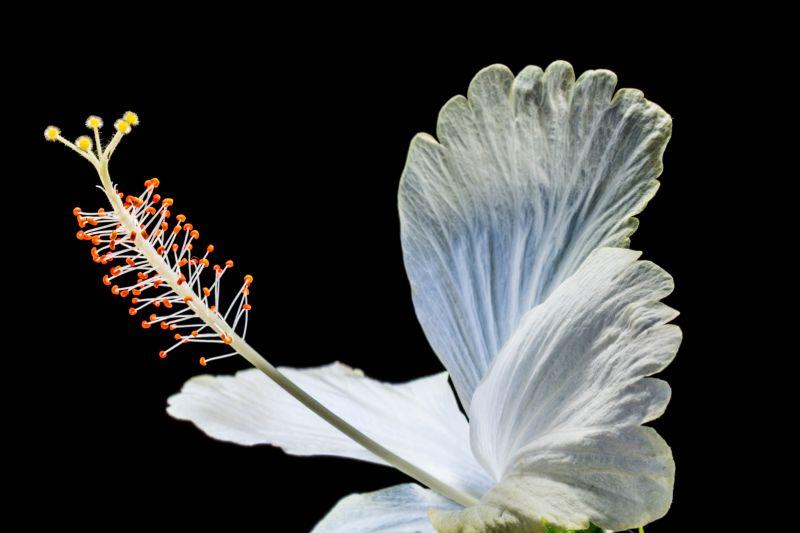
(136, 231)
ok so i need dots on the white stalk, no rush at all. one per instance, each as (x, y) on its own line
(202, 311)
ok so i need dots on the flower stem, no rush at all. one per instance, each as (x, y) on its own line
(253, 357)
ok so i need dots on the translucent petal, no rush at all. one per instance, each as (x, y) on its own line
(398, 509)
(557, 419)
(529, 175)
(419, 420)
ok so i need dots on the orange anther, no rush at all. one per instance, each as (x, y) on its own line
(181, 279)
(150, 210)
(206, 292)
(156, 198)
(187, 299)
(164, 325)
(101, 211)
(181, 217)
(167, 201)
(155, 182)
(160, 250)
(132, 236)
(210, 248)
(176, 229)
(194, 333)
(80, 235)
(188, 227)
(147, 184)
(153, 317)
(76, 212)
(144, 234)
(91, 221)
(132, 311)
(157, 282)
(167, 213)
(162, 354)
(248, 279)
(229, 263)
(135, 300)
(172, 327)
(114, 289)
(204, 262)
(247, 307)
(156, 303)
(106, 281)
(195, 234)
(136, 292)
(166, 303)
(81, 222)
(246, 291)
(129, 261)
(226, 339)
(123, 293)
(183, 262)
(174, 247)
(120, 194)
(177, 337)
(212, 308)
(202, 361)
(189, 247)
(115, 270)
(145, 324)
(113, 235)
(96, 240)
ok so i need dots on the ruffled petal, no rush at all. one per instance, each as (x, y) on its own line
(529, 175)
(419, 420)
(557, 419)
(619, 478)
(398, 509)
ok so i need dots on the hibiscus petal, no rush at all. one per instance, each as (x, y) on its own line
(557, 418)
(398, 509)
(419, 420)
(530, 174)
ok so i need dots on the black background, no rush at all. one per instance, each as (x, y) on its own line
(287, 155)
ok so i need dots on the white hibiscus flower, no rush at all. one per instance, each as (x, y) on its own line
(515, 228)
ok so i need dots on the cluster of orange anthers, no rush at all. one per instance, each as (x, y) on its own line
(133, 276)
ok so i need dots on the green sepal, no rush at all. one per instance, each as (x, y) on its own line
(552, 529)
